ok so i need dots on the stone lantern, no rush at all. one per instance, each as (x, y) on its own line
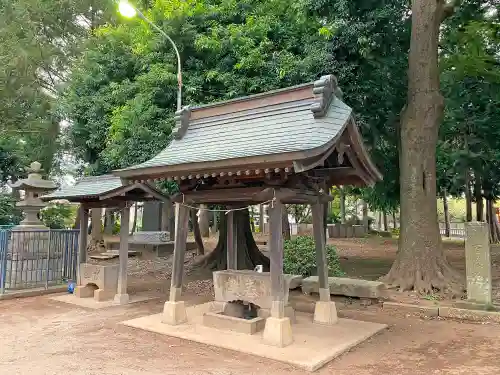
(34, 187)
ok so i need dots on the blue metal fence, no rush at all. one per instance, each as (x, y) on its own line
(38, 258)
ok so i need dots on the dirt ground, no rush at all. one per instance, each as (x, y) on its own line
(41, 336)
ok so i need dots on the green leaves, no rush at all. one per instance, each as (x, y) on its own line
(300, 258)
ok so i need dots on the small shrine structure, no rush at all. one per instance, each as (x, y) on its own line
(98, 192)
(287, 146)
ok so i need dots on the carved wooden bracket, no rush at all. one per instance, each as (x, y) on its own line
(181, 122)
(342, 148)
(325, 89)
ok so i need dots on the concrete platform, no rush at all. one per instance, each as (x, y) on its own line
(314, 345)
(91, 303)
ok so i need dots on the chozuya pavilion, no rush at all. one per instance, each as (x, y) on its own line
(287, 146)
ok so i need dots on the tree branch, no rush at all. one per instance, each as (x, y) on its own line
(450, 8)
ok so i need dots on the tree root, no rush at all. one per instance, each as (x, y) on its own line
(435, 276)
(248, 253)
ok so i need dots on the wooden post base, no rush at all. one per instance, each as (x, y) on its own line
(174, 313)
(325, 313)
(121, 299)
(278, 332)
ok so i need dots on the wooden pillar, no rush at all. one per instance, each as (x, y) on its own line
(232, 256)
(319, 239)
(276, 258)
(174, 311)
(278, 331)
(121, 296)
(325, 311)
(82, 241)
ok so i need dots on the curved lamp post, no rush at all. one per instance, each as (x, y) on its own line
(128, 10)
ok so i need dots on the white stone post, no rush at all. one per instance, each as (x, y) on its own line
(478, 262)
(122, 296)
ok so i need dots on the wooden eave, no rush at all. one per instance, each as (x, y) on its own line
(136, 192)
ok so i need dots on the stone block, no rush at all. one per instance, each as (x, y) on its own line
(231, 323)
(349, 231)
(478, 263)
(474, 315)
(295, 281)
(359, 231)
(104, 294)
(278, 332)
(420, 310)
(325, 313)
(342, 230)
(347, 287)
(248, 286)
(86, 291)
(174, 313)
(105, 279)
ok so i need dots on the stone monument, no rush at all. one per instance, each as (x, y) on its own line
(34, 187)
(28, 261)
(478, 263)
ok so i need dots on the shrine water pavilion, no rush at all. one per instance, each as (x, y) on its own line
(287, 146)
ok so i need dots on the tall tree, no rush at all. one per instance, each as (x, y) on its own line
(421, 264)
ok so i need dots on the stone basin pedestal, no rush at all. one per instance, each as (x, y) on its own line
(249, 287)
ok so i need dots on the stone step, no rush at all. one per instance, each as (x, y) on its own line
(347, 287)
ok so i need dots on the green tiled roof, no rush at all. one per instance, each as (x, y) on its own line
(275, 129)
(88, 187)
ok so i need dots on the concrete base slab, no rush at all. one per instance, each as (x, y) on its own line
(314, 345)
(91, 303)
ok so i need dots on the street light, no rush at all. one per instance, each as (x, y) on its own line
(128, 10)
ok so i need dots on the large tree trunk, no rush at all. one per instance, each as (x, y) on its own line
(468, 197)
(365, 215)
(76, 224)
(203, 220)
(109, 221)
(420, 263)
(248, 255)
(196, 231)
(478, 196)
(446, 214)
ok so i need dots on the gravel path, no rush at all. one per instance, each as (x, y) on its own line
(45, 337)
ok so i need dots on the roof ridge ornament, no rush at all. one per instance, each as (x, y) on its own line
(181, 122)
(324, 90)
